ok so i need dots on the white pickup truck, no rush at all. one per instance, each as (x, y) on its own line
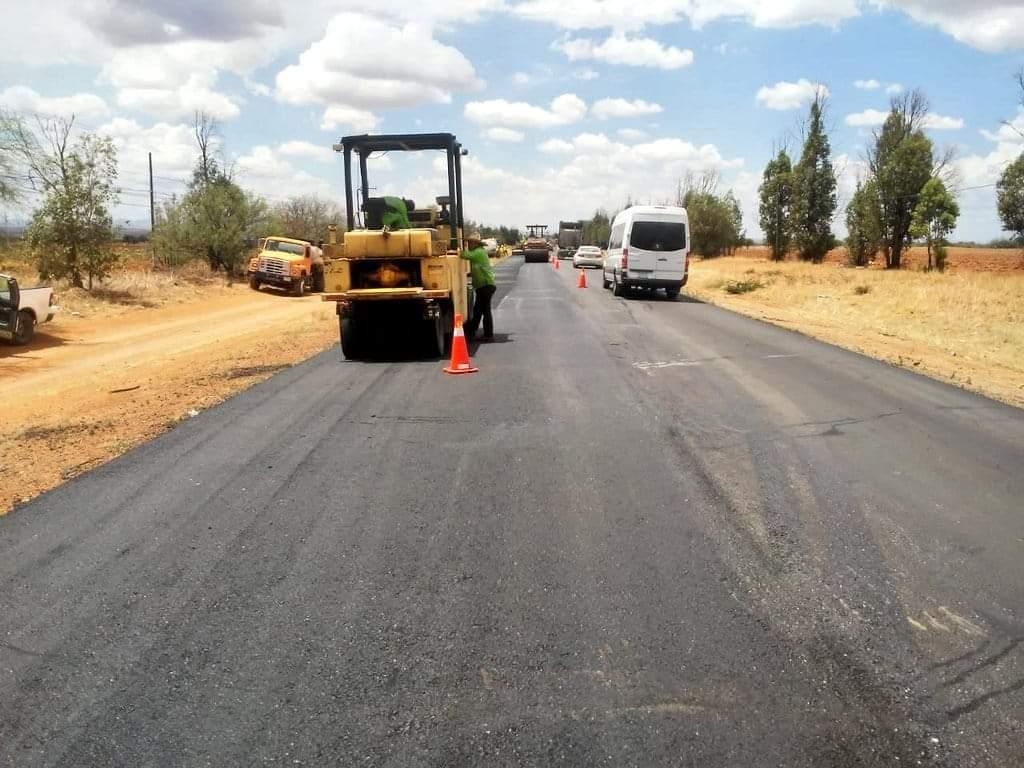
(22, 309)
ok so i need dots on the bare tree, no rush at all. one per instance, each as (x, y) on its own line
(207, 132)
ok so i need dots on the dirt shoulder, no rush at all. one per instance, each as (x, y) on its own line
(966, 329)
(107, 376)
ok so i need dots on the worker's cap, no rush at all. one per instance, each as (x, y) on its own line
(474, 237)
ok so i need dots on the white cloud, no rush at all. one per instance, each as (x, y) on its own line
(305, 149)
(556, 147)
(521, 78)
(631, 16)
(600, 171)
(894, 89)
(20, 98)
(783, 95)
(633, 52)
(943, 123)
(875, 117)
(604, 109)
(174, 155)
(181, 101)
(264, 171)
(990, 25)
(867, 85)
(632, 134)
(565, 109)
(408, 67)
(867, 119)
(585, 74)
(721, 49)
(358, 120)
(500, 133)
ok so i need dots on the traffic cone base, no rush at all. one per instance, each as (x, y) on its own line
(582, 281)
(460, 362)
(558, 264)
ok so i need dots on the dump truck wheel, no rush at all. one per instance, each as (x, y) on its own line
(299, 289)
(318, 280)
(254, 284)
(25, 328)
(350, 341)
(433, 337)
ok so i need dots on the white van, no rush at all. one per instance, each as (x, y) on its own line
(649, 247)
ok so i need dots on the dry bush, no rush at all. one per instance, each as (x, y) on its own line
(962, 321)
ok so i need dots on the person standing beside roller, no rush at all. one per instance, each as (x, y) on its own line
(483, 284)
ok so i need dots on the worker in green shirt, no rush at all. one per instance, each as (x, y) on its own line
(396, 215)
(483, 283)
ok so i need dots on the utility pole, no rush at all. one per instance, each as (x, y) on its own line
(152, 211)
(152, 206)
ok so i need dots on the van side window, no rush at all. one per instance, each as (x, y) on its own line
(615, 240)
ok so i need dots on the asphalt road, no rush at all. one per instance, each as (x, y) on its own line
(646, 533)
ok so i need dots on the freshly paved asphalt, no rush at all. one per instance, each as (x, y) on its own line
(646, 533)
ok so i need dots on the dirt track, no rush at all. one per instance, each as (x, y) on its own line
(88, 389)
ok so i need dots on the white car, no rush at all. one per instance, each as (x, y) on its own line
(491, 246)
(588, 256)
(22, 309)
(648, 248)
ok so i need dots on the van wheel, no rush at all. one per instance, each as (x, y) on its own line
(672, 293)
(605, 282)
(618, 289)
(25, 328)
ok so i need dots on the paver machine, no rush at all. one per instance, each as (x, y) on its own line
(395, 276)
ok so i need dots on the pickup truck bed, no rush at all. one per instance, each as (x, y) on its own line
(22, 309)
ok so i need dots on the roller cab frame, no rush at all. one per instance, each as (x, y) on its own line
(398, 285)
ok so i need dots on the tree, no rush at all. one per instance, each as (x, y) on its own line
(864, 224)
(776, 193)
(934, 218)
(715, 220)
(814, 188)
(901, 163)
(1010, 197)
(71, 232)
(12, 128)
(306, 217)
(598, 228)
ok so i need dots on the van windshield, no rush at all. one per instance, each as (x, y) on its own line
(658, 235)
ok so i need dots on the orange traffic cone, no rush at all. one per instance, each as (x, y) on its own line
(460, 362)
(582, 281)
(558, 264)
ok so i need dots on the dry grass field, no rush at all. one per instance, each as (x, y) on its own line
(964, 327)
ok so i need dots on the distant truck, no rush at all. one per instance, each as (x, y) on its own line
(570, 237)
(536, 246)
(284, 262)
(22, 309)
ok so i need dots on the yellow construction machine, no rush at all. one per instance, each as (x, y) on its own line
(396, 274)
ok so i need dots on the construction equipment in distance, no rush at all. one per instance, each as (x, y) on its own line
(398, 283)
(570, 237)
(536, 247)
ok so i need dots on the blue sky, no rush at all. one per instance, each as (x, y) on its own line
(565, 105)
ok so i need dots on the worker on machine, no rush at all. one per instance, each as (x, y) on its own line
(396, 213)
(483, 284)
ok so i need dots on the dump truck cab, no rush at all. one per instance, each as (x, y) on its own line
(396, 273)
(285, 262)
